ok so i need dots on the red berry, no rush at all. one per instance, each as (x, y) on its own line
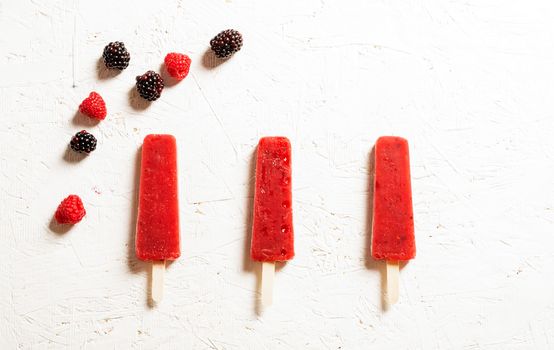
(177, 65)
(70, 210)
(94, 106)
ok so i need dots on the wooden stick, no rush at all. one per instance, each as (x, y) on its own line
(268, 275)
(158, 272)
(393, 270)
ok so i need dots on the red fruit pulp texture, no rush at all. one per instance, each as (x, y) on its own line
(157, 236)
(393, 222)
(177, 65)
(70, 210)
(94, 106)
(272, 232)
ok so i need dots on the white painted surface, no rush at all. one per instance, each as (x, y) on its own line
(469, 83)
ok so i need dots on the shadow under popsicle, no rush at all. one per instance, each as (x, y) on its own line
(248, 265)
(370, 263)
(134, 264)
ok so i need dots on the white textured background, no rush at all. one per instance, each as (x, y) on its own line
(469, 83)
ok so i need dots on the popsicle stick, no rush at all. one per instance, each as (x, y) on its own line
(393, 270)
(268, 275)
(158, 272)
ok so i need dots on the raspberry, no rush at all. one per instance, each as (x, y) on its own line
(116, 56)
(150, 85)
(70, 210)
(177, 64)
(226, 43)
(94, 106)
(83, 142)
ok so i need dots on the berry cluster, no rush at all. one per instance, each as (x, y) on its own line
(148, 85)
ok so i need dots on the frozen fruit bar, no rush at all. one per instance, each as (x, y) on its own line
(272, 232)
(158, 213)
(393, 223)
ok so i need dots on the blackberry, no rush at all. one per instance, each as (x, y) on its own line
(150, 85)
(226, 43)
(83, 142)
(116, 55)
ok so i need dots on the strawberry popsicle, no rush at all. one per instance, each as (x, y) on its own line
(393, 223)
(157, 234)
(272, 231)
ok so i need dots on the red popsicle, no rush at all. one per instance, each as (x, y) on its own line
(393, 223)
(157, 236)
(272, 232)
